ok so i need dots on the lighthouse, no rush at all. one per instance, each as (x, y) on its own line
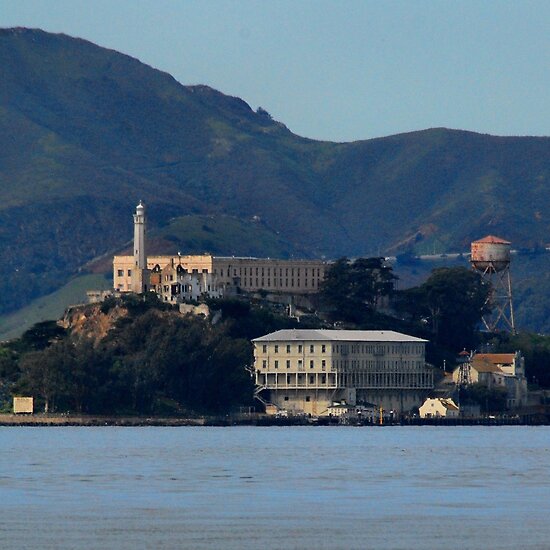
(140, 273)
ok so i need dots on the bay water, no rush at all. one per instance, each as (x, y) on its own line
(287, 487)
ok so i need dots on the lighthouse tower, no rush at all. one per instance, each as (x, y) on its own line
(140, 273)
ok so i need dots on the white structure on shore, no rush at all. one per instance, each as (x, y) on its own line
(306, 371)
(439, 407)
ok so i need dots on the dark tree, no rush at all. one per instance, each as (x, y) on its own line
(450, 303)
(354, 290)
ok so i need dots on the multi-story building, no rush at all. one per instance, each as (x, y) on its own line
(308, 370)
(176, 278)
(230, 274)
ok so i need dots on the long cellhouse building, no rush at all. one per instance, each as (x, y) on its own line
(306, 371)
(179, 277)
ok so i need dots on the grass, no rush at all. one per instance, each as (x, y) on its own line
(51, 306)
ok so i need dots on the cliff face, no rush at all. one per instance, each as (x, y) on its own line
(91, 322)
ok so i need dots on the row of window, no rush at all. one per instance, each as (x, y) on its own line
(260, 283)
(249, 271)
(300, 348)
(299, 364)
(377, 348)
(354, 364)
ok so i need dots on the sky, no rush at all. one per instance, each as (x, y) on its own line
(336, 70)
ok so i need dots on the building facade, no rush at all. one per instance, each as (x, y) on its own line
(307, 371)
(438, 407)
(499, 370)
(230, 274)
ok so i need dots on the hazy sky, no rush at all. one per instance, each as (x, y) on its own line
(336, 70)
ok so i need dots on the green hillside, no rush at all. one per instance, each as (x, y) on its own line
(51, 306)
(86, 132)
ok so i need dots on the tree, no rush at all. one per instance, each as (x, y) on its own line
(451, 302)
(354, 289)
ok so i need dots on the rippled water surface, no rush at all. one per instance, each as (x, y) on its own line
(295, 487)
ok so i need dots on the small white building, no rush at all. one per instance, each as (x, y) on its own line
(439, 408)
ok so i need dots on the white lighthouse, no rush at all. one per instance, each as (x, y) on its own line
(140, 273)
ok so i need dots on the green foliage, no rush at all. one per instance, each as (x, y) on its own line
(353, 289)
(53, 305)
(489, 400)
(120, 131)
(42, 335)
(535, 348)
(450, 304)
(154, 359)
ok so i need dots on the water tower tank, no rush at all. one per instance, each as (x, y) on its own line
(490, 254)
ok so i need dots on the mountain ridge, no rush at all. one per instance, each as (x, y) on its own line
(85, 132)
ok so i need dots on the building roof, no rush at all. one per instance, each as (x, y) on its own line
(446, 402)
(491, 239)
(337, 335)
(494, 358)
(481, 366)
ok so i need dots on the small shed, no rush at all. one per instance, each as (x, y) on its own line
(23, 405)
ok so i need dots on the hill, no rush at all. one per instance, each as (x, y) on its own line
(85, 132)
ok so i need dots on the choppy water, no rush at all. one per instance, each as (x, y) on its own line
(292, 487)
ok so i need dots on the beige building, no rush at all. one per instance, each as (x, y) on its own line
(438, 408)
(229, 274)
(180, 278)
(307, 371)
(499, 370)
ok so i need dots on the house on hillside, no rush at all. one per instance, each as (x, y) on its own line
(438, 407)
(499, 370)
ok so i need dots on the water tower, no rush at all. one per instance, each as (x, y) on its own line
(491, 258)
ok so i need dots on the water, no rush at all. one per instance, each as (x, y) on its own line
(292, 487)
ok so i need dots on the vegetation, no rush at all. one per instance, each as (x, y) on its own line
(534, 347)
(353, 290)
(154, 361)
(90, 132)
(451, 303)
(489, 400)
(53, 305)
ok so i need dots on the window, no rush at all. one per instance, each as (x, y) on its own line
(299, 348)
(323, 348)
(311, 364)
(311, 348)
(308, 398)
(288, 348)
(286, 397)
(264, 364)
(264, 348)
(323, 364)
(312, 379)
(129, 273)
(276, 348)
(276, 364)
(120, 272)
(288, 363)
